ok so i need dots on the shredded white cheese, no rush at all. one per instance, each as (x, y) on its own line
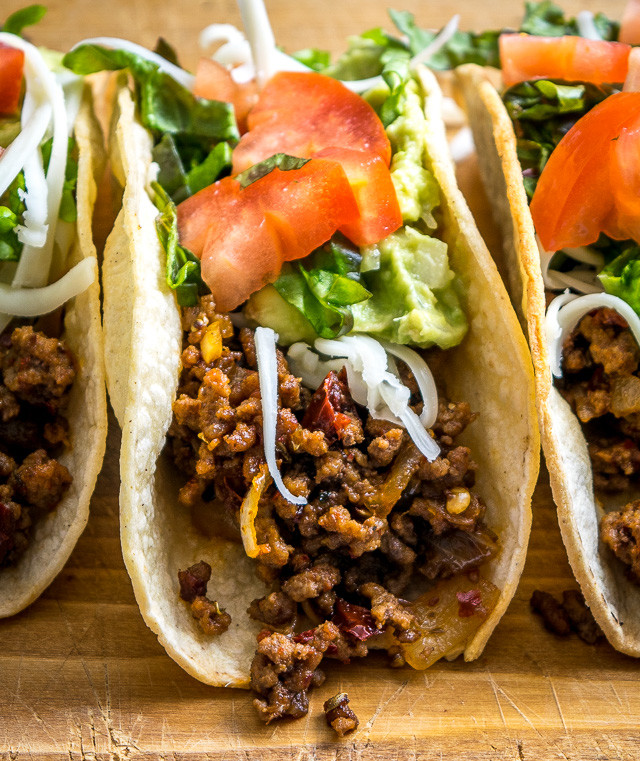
(265, 340)
(586, 26)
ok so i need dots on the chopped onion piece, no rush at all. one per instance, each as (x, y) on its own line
(579, 279)
(566, 311)
(586, 27)
(33, 302)
(424, 379)
(265, 340)
(175, 72)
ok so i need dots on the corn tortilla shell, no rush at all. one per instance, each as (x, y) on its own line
(56, 534)
(491, 370)
(612, 598)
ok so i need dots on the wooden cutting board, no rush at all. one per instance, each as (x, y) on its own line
(81, 677)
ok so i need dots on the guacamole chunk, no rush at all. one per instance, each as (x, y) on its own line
(414, 297)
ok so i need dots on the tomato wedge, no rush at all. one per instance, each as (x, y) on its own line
(214, 82)
(302, 113)
(575, 59)
(11, 67)
(243, 235)
(370, 180)
(588, 185)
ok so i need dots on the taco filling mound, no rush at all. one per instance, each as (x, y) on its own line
(326, 401)
(52, 398)
(558, 152)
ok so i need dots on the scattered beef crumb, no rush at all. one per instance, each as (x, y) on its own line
(570, 615)
(338, 714)
(620, 531)
(582, 620)
(210, 616)
(554, 616)
(193, 581)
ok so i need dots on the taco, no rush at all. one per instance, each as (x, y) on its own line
(53, 417)
(282, 516)
(570, 254)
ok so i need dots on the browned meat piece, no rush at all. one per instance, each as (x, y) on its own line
(10, 520)
(452, 419)
(40, 481)
(620, 531)
(388, 610)
(276, 609)
(311, 583)
(7, 465)
(615, 463)
(212, 618)
(582, 620)
(283, 670)
(458, 552)
(554, 616)
(384, 448)
(38, 369)
(338, 714)
(9, 407)
(193, 581)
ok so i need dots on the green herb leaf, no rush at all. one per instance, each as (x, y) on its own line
(281, 161)
(204, 174)
(315, 59)
(28, 16)
(323, 286)
(167, 51)
(165, 105)
(68, 211)
(183, 268)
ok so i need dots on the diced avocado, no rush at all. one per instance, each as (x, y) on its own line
(267, 307)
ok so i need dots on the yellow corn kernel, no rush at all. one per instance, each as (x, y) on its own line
(458, 500)
(211, 343)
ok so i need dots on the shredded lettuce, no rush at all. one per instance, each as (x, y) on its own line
(165, 105)
(324, 286)
(205, 168)
(546, 19)
(68, 211)
(543, 111)
(183, 267)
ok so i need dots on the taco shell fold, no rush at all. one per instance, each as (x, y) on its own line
(612, 598)
(491, 370)
(55, 535)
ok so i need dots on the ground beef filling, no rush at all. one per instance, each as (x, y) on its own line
(37, 374)
(601, 382)
(378, 515)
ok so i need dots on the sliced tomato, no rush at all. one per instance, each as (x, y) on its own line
(306, 206)
(11, 67)
(370, 180)
(243, 235)
(624, 171)
(195, 215)
(214, 82)
(302, 113)
(584, 188)
(575, 59)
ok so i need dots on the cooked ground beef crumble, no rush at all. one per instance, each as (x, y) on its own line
(601, 382)
(378, 515)
(37, 374)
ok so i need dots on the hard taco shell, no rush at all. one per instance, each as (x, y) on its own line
(55, 535)
(491, 370)
(613, 600)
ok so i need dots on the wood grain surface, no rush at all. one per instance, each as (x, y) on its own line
(81, 677)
